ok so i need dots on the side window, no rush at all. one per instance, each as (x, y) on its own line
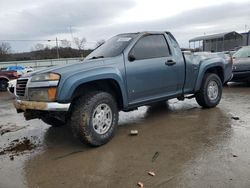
(151, 46)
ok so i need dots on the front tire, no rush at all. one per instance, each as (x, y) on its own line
(210, 92)
(94, 117)
(3, 85)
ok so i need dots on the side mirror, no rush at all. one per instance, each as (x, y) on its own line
(131, 57)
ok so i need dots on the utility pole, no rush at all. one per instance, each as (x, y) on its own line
(248, 37)
(71, 33)
(57, 50)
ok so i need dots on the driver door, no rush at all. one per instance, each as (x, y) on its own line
(151, 73)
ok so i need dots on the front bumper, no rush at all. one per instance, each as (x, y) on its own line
(44, 106)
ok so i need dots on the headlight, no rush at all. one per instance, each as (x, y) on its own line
(43, 87)
(42, 94)
(45, 77)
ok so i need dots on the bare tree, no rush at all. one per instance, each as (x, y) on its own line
(80, 42)
(99, 43)
(5, 50)
(47, 46)
(39, 46)
(65, 43)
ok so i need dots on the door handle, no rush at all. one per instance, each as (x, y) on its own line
(170, 63)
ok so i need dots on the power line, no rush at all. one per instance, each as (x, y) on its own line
(38, 40)
(24, 40)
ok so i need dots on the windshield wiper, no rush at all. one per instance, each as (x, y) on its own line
(97, 57)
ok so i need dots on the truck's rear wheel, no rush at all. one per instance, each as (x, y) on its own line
(95, 117)
(210, 92)
(3, 85)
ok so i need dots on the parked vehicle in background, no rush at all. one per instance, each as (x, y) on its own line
(5, 77)
(237, 48)
(231, 53)
(128, 71)
(227, 55)
(12, 87)
(241, 65)
(19, 69)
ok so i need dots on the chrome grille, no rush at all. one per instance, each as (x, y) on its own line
(21, 86)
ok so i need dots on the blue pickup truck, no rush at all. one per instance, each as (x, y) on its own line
(128, 71)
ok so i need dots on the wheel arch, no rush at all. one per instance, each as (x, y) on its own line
(216, 68)
(108, 85)
(108, 79)
(4, 78)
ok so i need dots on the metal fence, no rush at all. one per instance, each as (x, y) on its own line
(41, 63)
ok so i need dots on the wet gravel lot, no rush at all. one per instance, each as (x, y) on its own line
(183, 144)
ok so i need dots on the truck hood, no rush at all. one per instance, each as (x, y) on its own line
(72, 68)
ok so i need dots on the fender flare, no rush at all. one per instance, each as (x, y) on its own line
(72, 82)
(204, 67)
(4, 77)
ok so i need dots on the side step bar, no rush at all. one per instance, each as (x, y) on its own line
(182, 98)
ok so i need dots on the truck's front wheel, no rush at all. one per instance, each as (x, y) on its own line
(95, 117)
(210, 92)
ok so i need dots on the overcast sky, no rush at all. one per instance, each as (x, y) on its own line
(101, 19)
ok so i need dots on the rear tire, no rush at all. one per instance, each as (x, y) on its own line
(94, 117)
(3, 85)
(210, 92)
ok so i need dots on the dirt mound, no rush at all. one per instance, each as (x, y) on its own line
(18, 146)
(10, 127)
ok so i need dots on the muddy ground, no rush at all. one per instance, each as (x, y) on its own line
(183, 144)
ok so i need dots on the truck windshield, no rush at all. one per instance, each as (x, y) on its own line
(113, 47)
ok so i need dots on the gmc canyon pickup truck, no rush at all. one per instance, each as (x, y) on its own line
(128, 71)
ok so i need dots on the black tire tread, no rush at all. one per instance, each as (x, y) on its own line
(3, 81)
(80, 118)
(201, 96)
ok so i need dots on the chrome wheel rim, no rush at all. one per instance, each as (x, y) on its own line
(102, 118)
(212, 90)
